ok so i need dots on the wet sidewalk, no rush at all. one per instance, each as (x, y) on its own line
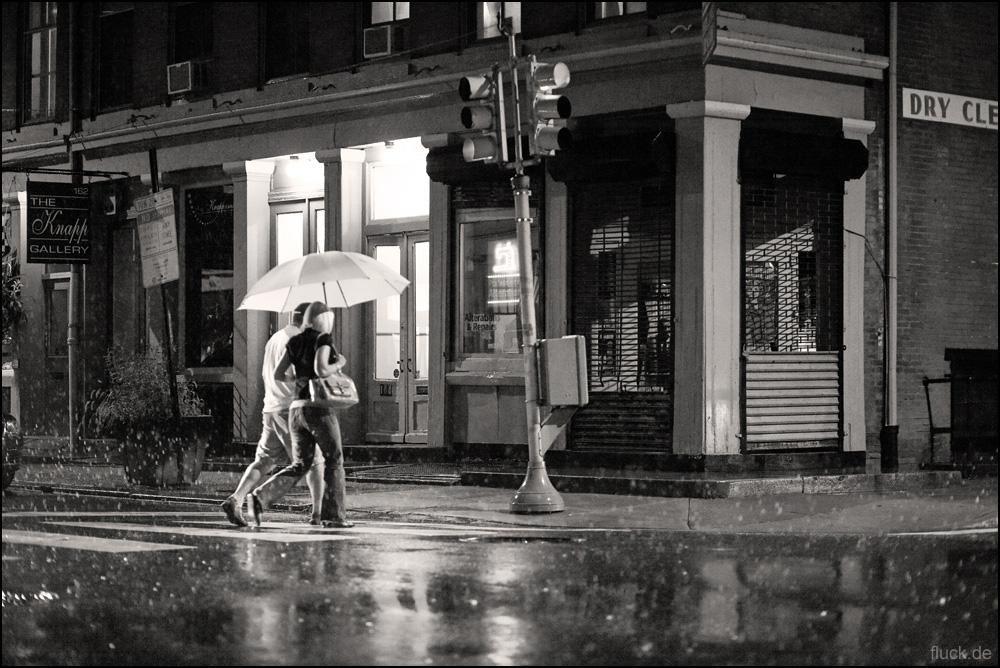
(934, 501)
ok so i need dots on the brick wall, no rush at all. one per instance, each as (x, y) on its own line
(947, 207)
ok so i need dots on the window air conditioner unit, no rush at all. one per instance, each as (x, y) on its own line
(384, 40)
(186, 76)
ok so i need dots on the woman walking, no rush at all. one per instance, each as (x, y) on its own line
(310, 354)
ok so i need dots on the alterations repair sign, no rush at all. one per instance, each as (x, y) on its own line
(58, 223)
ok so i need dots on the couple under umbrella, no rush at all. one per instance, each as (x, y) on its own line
(299, 427)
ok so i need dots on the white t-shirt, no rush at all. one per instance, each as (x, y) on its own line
(278, 396)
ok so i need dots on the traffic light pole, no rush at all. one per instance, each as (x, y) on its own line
(536, 494)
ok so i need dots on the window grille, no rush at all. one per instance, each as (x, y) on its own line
(792, 230)
(622, 303)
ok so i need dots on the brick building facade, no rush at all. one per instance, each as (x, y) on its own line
(766, 263)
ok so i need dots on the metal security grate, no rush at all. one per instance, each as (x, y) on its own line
(622, 303)
(792, 311)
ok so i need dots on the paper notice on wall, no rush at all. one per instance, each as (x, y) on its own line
(157, 238)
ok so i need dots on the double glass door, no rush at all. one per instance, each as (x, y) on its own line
(298, 228)
(398, 394)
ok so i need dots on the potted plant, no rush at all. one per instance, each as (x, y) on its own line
(136, 409)
(13, 308)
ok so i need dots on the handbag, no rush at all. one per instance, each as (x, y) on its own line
(334, 391)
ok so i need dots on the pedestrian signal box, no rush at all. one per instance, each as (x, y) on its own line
(562, 371)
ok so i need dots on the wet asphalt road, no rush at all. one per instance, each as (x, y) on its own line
(102, 581)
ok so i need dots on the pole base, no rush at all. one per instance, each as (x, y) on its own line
(537, 495)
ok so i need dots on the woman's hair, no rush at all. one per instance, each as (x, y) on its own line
(319, 317)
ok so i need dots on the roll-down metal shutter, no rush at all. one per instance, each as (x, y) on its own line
(792, 399)
(621, 302)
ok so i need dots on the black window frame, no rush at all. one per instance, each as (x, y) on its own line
(114, 55)
(186, 45)
(48, 22)
(298, 23)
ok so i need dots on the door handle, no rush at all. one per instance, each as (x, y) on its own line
(409, 363)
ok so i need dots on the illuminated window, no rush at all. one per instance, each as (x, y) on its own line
(607, 10)
(490, 287)
(387, 12)
(400, 187)
(490, 15)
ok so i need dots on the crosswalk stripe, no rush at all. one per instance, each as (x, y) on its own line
(106, 513)
(231, 532)
(375, 528)
(948, 532)
(90, 543)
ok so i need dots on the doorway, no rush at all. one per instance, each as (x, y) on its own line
(400, 343)
(298, 228)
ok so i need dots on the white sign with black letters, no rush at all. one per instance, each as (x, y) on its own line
(157, 238)
(926, 105)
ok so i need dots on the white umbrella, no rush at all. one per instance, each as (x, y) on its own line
(337, 278)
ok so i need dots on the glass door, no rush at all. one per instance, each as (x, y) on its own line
(298, 228)
(398, 394)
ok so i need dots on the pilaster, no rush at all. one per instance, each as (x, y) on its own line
(854, 296)
(707, 278)
(251, 260)
(344, 182)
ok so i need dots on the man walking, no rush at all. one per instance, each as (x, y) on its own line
(275, 445)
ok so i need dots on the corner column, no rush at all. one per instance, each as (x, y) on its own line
(854, 297)
(344, 183)
(707, 278)
(251, 260)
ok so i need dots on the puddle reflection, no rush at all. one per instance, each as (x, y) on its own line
(610, 601)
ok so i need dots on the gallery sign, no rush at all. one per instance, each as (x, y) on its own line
(928, 105)
(58, 229)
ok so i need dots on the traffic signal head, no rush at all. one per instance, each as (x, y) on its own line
(486, 116)
(475, 88)
(548, 111)
(549, 76)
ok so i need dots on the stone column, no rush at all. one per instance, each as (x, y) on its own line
(251, 260)
(344, 182)
(707, 278)
(853, 373)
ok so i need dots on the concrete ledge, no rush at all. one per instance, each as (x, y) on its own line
(720, 488)
(879, 482)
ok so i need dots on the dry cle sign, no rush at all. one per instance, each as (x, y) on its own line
(58, 223)
(927, 105)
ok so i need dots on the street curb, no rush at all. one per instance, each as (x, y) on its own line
(724, 489)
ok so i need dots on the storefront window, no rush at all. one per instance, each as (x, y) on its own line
(209, 272)
(491, 287)
(400, 187)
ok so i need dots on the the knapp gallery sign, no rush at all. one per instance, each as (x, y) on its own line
(58, 223)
